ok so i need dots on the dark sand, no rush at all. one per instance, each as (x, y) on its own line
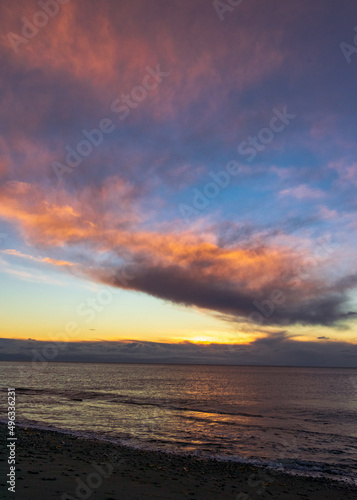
(50, 465)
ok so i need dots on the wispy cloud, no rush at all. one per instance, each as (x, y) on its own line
(27, 275)
(45, 260)
(303, 192)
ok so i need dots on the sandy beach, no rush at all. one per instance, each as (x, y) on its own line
(54, 465)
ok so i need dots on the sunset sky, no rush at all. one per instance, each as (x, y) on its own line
(177, 171)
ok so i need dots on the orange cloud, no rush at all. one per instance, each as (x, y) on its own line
(46, 260)
(181, 266)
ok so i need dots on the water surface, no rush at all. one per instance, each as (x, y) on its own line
(300, 419)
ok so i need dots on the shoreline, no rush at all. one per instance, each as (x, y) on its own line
(69, 466)
(269, 465)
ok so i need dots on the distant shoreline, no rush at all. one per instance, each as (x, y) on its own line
(58, 361)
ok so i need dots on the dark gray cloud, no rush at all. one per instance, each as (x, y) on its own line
(276, 349)
(321, 305)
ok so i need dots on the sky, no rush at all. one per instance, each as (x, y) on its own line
(177, 181)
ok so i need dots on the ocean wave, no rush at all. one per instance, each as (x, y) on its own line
(296, 467)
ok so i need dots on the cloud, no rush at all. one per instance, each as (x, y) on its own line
(120, 205)
(303, 192)
(276, 349)
(181, 267)
(306, 305)
(327, 214)
(33, 277)
(45, 260)
(347, 171)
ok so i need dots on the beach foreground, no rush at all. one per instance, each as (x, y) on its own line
(54, 465)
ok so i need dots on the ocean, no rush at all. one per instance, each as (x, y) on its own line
(298, 420)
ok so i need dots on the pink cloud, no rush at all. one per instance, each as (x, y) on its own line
(347, 171)
(303, 192)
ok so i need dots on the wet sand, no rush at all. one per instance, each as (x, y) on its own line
(51, 465)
